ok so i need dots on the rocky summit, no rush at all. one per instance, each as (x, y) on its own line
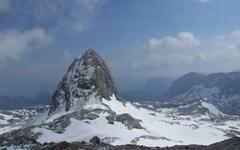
(88, 78)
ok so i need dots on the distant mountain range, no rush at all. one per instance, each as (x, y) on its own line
(222, 89)
(218, 85)
(154, 90)
(19, 102)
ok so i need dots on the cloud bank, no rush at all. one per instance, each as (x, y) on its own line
(14, 43)
(181, 41)
(184, 53)
(34, 24)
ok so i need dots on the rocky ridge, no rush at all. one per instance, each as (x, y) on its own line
(221, 89)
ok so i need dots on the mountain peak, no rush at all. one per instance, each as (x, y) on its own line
(90, 51)
(88, 78)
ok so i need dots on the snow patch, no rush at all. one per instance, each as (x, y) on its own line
(212, 109)
(168, 128)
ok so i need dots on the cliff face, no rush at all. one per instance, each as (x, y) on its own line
(87, 79)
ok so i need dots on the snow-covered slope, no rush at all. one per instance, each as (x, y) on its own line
(15, 119)
(158, 127)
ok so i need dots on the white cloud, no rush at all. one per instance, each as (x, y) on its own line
(75, 15)
(181, 41)
(64, 15)
(221, 53)
(61, 16)
(235, 34)
(14, 43)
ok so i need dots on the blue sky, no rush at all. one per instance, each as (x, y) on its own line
(139, 39)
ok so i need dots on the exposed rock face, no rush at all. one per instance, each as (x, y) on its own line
(30, 143)
(129, 121)
(88, 78)
(95, 140)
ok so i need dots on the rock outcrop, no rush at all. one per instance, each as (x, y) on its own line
(88, 78)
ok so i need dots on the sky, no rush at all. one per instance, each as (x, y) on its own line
(139, 39)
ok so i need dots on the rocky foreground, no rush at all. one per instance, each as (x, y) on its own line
(96, 144)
